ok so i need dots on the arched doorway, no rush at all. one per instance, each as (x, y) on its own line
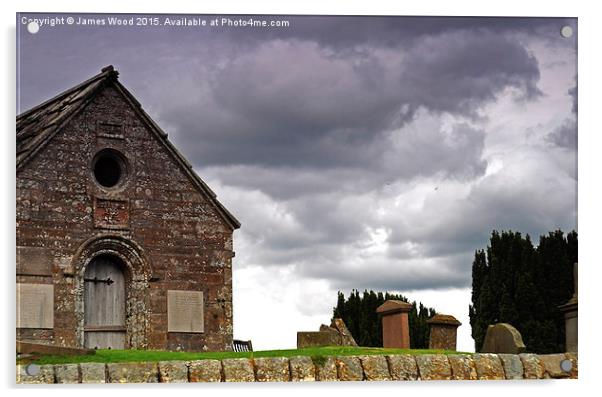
(105, 303)
(137, 271)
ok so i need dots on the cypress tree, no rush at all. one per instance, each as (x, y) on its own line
(359, 314)
(514, 282)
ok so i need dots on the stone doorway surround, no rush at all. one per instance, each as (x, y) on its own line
(137, 272)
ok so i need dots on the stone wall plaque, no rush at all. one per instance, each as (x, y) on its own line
(34, 261)
(35, 306)
(111, 214)
(185, 311)
(109, 130)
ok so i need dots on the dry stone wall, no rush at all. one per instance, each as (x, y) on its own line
(304, 369)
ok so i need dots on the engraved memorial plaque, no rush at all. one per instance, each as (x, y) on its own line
(35, 306)
(111, 214)
(184, 311)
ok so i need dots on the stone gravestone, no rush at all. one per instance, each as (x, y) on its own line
(396, 329)
(336, 334)
(35, 306)
(317, 339)
(503, 338)
(346, 337)
(444, 332)
(185, 311)
(570, 317)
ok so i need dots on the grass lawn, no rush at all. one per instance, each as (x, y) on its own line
(317, 353)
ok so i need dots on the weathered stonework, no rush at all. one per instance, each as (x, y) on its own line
(44, 375)
(462, 367)
(489, 366)
(132, 373)
(272, 369)
(302, 369)
(349, 368)
(346, 338)
(161, 221)
(317, 338)
(205, 371)
(238, 370)
(443, 332)
(403, 367)
(433, 367)
(503, 338)
(326, 369)
(92, 372)
(173, 372)
(575, 369)
(66, 373)
(513, 366)
(551, 364)
(281, 369)
(532, 366)
(375, 367)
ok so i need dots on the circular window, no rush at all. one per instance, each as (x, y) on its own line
(109, 168)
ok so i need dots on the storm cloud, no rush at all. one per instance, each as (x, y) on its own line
(358, 152)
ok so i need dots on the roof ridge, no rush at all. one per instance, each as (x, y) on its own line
(107, 71)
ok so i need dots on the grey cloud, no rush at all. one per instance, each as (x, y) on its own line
(348, 31)
(393, 274)
(419, 149)
(449, 272)
(309, 129)
(573, 93)
(460, 72)
(71, 53)
(516, 198)
(565, 135)
(425, 149)
(295, 104)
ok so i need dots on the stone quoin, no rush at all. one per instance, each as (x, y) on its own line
(116, 229)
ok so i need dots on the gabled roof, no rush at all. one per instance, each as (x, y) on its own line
(40, 122)
(38, 125)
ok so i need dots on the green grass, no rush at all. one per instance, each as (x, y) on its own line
(318, 354)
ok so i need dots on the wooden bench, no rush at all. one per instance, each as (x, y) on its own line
(242, 345)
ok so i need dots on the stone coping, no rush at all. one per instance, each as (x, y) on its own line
(444, 319)
(394, 306)
(479, 366)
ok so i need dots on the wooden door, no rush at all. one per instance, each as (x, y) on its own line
(104, 304)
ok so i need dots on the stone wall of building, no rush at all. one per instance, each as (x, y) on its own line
(303, 369)
(170, 234)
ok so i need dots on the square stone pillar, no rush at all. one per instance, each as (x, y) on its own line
(396, 330)
(444, 332)
(570, 317)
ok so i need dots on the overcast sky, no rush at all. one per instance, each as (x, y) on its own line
(357, 152)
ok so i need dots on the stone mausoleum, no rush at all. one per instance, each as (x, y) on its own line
(119, 243)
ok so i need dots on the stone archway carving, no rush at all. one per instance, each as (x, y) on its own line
(138, 273)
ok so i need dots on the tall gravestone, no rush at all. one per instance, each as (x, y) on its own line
(570, 318)
(396, 329)
(444, 332)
